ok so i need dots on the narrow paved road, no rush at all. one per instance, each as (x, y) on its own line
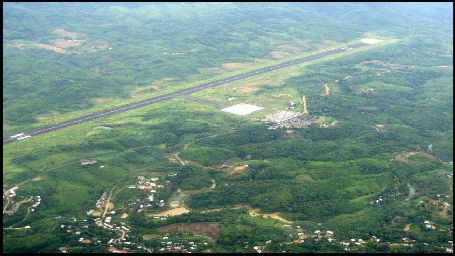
(179, 93)
(178, 158)
(26, 216)
(107, 203)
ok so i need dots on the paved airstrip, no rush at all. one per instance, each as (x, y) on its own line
(179, 93)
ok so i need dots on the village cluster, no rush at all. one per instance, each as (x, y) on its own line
(8, 194)
(106, 222)
(148, 184)
(288, 119)
(381, 199)
(170, 246)
(74, 228)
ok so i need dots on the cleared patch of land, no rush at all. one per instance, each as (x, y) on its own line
(62, 43)
(305, 108)
(52, 48)
(279, 54)
(407, 228)
(172, 212)
(38, 178)
(245, 89)
(242, 109)
(239, 170)
(404, 156)
(236, 65)
(62, 32)
(326, 90)
(207, 229)
(255, 213)
(288, 47)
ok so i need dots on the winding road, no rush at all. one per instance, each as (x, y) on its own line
(179, 93)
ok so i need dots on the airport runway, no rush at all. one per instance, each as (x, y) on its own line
(168, 96)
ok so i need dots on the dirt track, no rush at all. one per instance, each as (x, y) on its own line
(326, 90)
(305, 109)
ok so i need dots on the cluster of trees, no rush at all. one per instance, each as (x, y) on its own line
(190, 178)
(208, 155)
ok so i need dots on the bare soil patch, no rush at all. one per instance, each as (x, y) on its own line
(171, 158)
(207, 229)
(404, 156)
(288, 47)
(38, 178)
(172, 212)
(253, 86)
(62, 43)
(86, 241)
(245, 89)
(407, 228)
(305, 109)
(280, 95)
(113, 248)
(236, 65)
(52, 48)
(326, 90)
(279, 54)
(255, 212)
(275, 216)
(103, 100)
(174, 204)
(236, 206)
(96, 213)
(239, 170)
(64, 33)
(209, 70)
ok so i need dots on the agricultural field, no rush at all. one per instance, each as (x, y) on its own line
(348, 153)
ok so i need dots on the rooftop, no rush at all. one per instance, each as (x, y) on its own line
(370, 41)
(242, 109)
